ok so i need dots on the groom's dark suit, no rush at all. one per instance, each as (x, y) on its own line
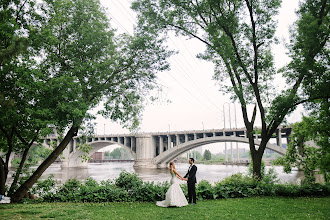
(191, 175)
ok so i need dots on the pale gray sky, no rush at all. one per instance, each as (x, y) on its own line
(196, 102)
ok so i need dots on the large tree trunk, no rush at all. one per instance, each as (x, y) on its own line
(3, 177)
(18, 171)
(23, 189)
(255, 156)
(256, 161)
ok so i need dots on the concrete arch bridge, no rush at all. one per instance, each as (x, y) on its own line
(158, 149)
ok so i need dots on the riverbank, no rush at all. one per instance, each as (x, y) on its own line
(111, 170)
(242, 162)
(240, 208)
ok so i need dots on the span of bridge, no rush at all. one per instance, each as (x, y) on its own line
(158, 149)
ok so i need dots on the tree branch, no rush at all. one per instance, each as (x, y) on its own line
(192, 34)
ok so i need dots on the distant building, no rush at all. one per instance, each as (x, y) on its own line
(97, 156)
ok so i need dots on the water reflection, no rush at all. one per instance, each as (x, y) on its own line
(111, 170)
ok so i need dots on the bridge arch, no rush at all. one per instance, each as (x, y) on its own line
(75, 157)
(172, 153)
(96, 146)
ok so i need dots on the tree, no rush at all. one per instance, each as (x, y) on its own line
(207, 155)
(116, 153)
(107, 153)
(73, 61)
(18, 33)
(238, 36)
(300, 153)
(120, 153)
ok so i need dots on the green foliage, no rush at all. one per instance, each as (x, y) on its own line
(207, 155)
(85, 148)
(237, 185)
(42, 188)
(128, 188)
(58, 60)
(38, 153)
(116, 153)
(128, 180)
(309, 158)
(120, 153)
(238, 36)
(204, 190)
(107, 153)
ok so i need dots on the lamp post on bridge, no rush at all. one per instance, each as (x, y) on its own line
(224, 124)
(236, 128)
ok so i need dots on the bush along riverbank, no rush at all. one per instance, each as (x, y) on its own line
(129, 188)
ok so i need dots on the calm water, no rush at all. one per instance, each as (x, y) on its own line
(111, 170)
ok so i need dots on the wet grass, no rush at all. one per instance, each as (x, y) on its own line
(239, 208)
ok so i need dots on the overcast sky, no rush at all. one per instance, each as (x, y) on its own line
(195, 102)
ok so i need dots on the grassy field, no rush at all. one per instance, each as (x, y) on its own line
(245, 208)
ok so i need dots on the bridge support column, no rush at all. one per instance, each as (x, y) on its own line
(125, 141)
(75, 143)
(169, 142)
(161, 144)
(237, 151)
(232, 152)
(133, 144)
(226, 156)
(279, 137)
(72, 159)
(177, 140)
(145, 151)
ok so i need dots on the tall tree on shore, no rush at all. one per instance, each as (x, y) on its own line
(207, 155)
(19, 22)
(73, 62)
(309, 147)
(238, 36)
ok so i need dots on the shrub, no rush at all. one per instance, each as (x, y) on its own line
(235, 186)
(270, 177)
(128, 188)
(160, 190)
(47, 186)
(204, 190)
(67, 192)
(128, 180)
(288, 190)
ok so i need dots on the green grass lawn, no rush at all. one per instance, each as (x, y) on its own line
(245, 208)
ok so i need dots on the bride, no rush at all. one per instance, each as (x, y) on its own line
(174, 195)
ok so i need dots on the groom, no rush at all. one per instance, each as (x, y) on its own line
(190, 177)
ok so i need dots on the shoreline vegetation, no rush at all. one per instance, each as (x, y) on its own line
(128, 187)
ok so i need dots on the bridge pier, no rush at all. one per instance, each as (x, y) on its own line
(71, 158)
(145, 151)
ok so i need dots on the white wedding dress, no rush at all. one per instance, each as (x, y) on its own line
(174, 195)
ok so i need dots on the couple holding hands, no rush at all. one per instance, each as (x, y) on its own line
(174, 195)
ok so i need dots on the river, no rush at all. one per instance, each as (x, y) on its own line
(111, 170)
